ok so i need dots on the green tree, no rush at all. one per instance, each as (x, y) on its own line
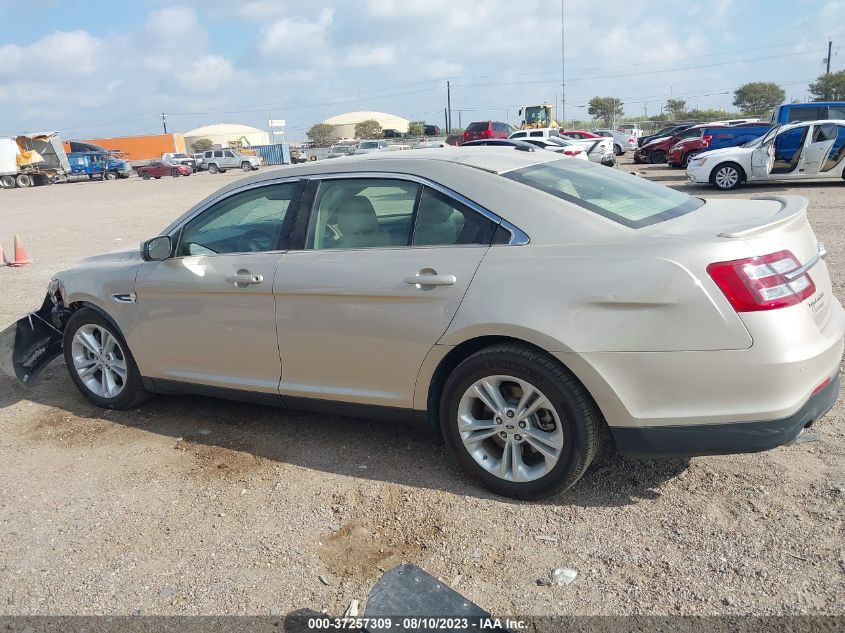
(416, 128)
(202, 144)
(758, 96)
(322, 134)
(368, 129)
(676, 107)
(829, 87)
(608, 109)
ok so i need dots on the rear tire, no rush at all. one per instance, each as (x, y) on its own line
(685, 159)
(657, 157)
(617, 149)
(174, 172)
(727, 176)
(145, 175)
(213, 169)
(567, 419)
(106, 374)
(7, 182)
(24, 180)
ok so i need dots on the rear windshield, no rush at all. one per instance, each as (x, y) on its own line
(368, 145)
(477, 127)
(623, 198)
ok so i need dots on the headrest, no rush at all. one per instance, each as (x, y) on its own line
(357, 216)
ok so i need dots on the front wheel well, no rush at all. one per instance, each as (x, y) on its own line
(464, 350)
(743, 177)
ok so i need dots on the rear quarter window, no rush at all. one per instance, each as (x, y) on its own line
(631, 201)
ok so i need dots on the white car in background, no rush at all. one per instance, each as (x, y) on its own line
(368, 147)
(598, 150)
(806, 150)
(622, 142)
(630, 128)
(567, 148)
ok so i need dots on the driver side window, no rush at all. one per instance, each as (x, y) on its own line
(246, 222)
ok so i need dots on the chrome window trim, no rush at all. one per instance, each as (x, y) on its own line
(518, 237)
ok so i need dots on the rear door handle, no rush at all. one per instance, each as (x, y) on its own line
(244, 278)
(431, 280)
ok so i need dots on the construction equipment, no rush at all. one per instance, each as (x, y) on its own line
(32, 159)
(537, 116)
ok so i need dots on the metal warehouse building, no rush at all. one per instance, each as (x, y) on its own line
(344, 124)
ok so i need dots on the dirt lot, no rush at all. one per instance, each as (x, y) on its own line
(196, 506)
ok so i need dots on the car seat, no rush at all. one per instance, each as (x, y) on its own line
(359, 226)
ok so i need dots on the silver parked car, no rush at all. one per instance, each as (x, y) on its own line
(517, 302)
(219, 160)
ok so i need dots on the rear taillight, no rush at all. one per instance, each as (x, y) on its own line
(762, 283)
(571, 152)
(633, 139)
(485, 133)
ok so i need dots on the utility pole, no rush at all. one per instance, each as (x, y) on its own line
(562, 71)
(448, 107)
(164, 121)
(446, 119)
(829, 47)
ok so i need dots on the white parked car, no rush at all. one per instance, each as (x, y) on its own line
(219, 160)
(630, 128)
(368, 147)
(622, 142)
(806, 150)
(598, 150)
(567, 148)
(540, 132)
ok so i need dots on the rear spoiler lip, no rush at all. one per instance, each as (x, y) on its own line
(792, 207)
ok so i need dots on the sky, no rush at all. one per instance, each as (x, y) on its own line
(94, 69)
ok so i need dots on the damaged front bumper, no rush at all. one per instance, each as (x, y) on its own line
(29, 344)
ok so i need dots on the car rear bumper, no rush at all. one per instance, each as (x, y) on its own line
(724, 439)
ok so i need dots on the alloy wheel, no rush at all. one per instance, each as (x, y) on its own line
(510, 428)
(726, 177)
(99, 360)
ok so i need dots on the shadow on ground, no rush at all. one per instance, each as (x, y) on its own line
(391, 452)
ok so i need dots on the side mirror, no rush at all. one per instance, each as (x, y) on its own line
(157, 249)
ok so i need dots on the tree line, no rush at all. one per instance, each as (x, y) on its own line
(323, 134)
(752, 99)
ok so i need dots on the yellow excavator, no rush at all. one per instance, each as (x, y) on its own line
(537, 116)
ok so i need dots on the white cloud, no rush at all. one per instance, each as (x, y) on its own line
(207, 74)
(365, 57)
(173, 23)
(259, 9)
(65, 52)
(296, 35)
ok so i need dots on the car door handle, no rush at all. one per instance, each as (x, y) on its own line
(244, 278)
(431, 280)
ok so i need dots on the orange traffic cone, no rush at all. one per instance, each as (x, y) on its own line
(21, 258)
(3, 260)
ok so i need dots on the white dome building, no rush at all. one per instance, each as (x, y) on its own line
(344, 124)
(226, 134)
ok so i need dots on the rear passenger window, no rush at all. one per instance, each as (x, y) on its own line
(809, 113)
(218, 154)
(836, 112)
(443, 221)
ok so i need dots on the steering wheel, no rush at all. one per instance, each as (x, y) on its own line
(256, 241)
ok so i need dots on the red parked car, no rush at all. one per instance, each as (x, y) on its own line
(157, 169)
(487, 129)
(657, 151)
(715, 137)
(579, 134)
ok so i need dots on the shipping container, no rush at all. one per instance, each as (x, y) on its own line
(277, 154)
(139, 148)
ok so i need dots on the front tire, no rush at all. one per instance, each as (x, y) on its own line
(100, 363)
(519, 422)
(174, 173)
(657, 157)
(110, 175)
(245, 166)
(145, 175)
(727, 176)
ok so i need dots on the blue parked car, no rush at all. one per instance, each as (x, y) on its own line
(102, 164)
(816, 111)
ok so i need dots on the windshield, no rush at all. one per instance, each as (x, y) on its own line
(757, 142)
(556, 141)
(339, 149)
(477, 127)
(630, 201)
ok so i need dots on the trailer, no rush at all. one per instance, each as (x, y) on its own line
(32, 159)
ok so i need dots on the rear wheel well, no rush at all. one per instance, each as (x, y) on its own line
(466, 349)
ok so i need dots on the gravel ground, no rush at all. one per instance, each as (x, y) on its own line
(190, 505)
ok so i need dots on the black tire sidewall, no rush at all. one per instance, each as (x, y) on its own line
(733, 166)
(565, 402)
(213, 169)
(174, 173)
(658, 154)
(129, 396)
